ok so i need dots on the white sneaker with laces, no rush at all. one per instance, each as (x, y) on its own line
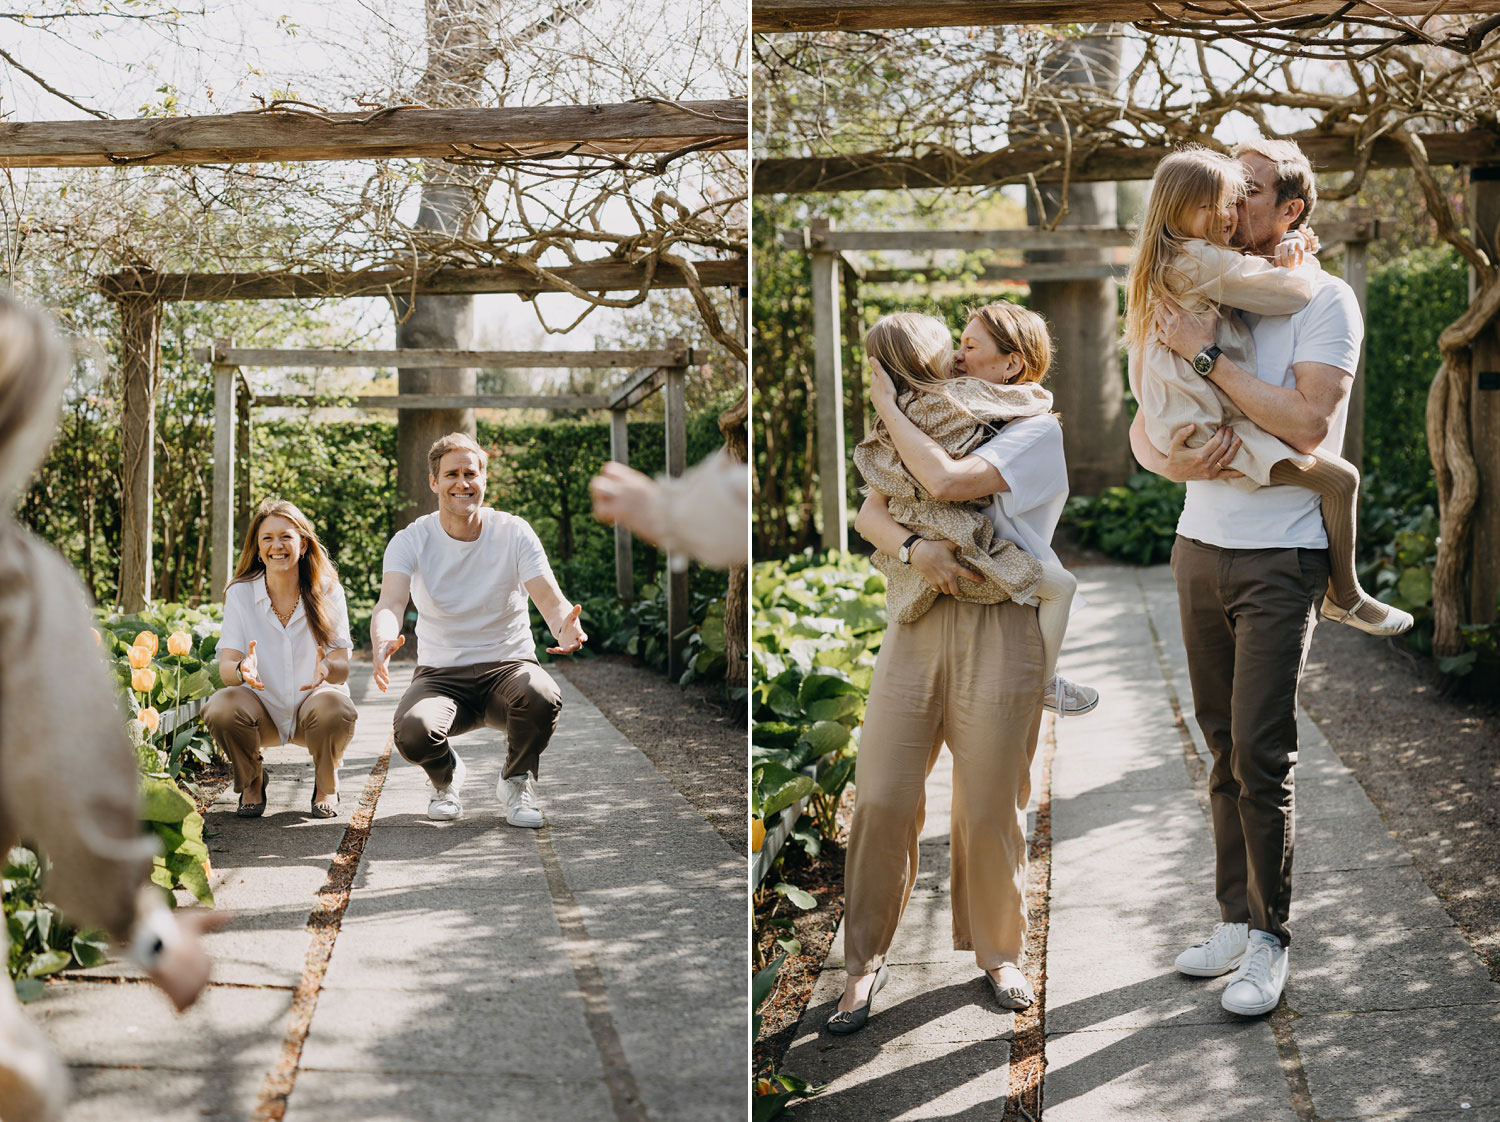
(518, 796)
(1218, 954)
(445, 804)
(1256, 986)
(1068, 699)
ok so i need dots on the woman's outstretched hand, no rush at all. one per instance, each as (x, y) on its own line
(939, 565)
(320, 672)
(250, 669)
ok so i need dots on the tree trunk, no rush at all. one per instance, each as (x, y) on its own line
(458, 50)
(1083, 315)
(734, 424)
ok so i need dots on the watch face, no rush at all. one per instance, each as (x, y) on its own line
(1202, 363)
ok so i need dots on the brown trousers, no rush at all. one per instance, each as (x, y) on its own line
(241, 726)
(1247, 618)
(515, 695)
(969, 675)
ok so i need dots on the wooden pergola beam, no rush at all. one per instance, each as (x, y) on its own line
(593, 276)
(291, 135)
(437, 358)
(438, 401)
(810, 239)
(883, 172)
(870, 15)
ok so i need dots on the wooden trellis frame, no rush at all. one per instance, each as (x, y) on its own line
(139, 294)
(657, 370)
(832, 314)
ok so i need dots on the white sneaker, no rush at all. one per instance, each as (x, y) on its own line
(445, 805)
(1256, 986)
(1068, 699)
(518, 797)
(1218, 954)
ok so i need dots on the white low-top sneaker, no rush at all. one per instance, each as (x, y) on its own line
(518, 797)
(1068, 699)
(1218, 954)
(1256, 986)
(445, 804)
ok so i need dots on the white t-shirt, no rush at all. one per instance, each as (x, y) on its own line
(286, 656)
(1329, 330)
(470, 596)
(1029, 453)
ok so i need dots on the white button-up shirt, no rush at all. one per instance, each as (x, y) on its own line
(286, 656)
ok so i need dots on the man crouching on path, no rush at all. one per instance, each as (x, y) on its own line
(469, 570)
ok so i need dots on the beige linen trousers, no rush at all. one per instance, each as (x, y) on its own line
(968, 675)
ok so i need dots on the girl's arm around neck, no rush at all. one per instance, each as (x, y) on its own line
(943, 477)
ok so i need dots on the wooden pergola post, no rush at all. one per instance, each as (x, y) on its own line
(140, 328)
(678, 616)
(851, 275)
(619, 451)
(221, 522)
(1357, 275)
(241, 460)
(828, 372)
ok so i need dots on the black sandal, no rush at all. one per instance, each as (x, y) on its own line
(252, 810)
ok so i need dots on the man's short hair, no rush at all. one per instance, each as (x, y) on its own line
(454, 442)
(1294, 174)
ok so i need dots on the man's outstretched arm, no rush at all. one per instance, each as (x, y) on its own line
(385, 624)
(560, 614)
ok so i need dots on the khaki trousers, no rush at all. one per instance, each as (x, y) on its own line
(1247, 619)
(241, 726)
(515, 695)
(969, 675)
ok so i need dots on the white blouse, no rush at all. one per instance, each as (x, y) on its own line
(286, 656)
(1028, 452)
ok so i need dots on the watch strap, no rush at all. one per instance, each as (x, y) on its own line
(906, 548)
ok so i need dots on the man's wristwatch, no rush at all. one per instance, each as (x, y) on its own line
(904, 553)
(1203, 361)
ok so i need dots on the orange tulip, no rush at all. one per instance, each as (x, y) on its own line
(98, 639)
(149, 717)
(142, 680)
(179, 643)
(148, 640)
(757, 834)
(140, 658)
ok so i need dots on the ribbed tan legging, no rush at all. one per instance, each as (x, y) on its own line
(970, 675)
(1336, 481)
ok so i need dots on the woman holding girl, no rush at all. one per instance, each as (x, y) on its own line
(965, 673)
(284, 658)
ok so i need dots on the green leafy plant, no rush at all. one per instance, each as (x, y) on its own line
(1135, 523)
(41, 941)
(774, 1092)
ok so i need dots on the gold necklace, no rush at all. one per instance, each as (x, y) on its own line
(286, 619)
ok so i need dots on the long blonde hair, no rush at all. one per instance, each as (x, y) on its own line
(1184, 181)
(316, 574)
(915, 350)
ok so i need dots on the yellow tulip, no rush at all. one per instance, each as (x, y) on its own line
(149, 717)
(142, 680)
(179, 643)
(98, 639)
(757, 834)
(140, 658)
(148, 640)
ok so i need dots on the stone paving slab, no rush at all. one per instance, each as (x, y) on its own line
(481, 971)
(1193, 1073)
(380, 1097)
(907, 1083)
